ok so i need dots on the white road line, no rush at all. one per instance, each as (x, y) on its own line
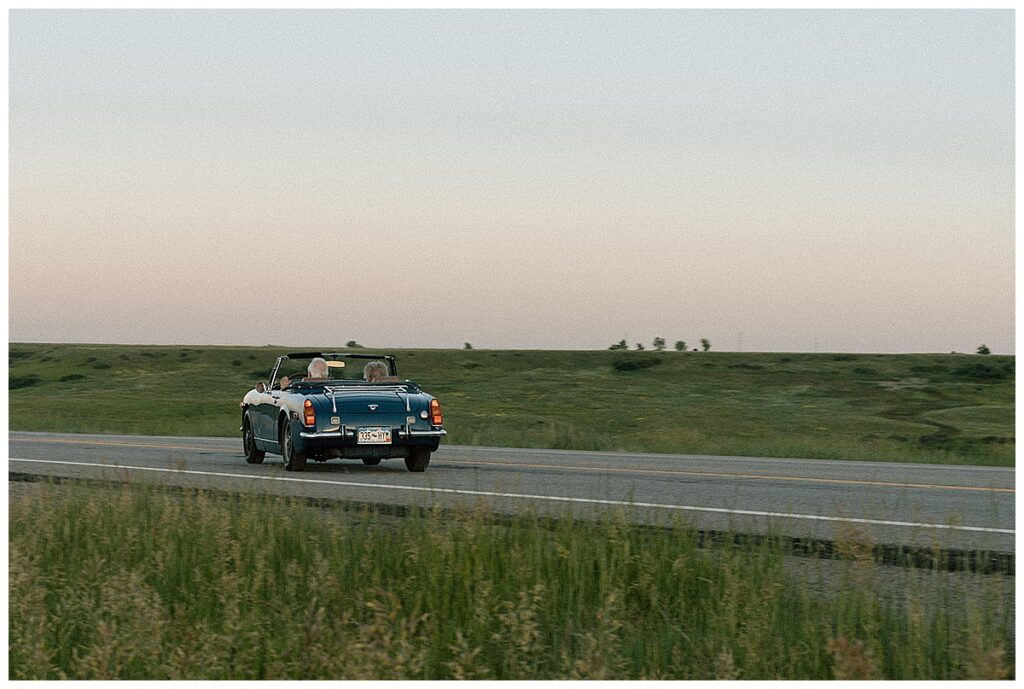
(527, 496)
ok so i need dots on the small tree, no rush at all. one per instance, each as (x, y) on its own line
(659, 343)
(983, 349)
(466, 345)
(639, 346)
(621, 344)
(704, 344)
(352, 344)
(680, 346)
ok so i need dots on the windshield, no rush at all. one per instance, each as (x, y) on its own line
(341, 368)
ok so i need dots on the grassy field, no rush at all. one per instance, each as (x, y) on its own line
(134, 583)
(940, 408)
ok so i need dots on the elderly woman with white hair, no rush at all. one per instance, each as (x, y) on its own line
(375, 372)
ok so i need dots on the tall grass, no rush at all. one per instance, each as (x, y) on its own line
(132, 582)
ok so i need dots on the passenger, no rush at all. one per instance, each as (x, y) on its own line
(375, 372)
(285, 382)
(317, 370)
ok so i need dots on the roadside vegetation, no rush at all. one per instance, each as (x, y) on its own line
(135, 582)
(938, 408)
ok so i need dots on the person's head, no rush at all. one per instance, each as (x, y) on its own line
(375, 370)
(317, 368)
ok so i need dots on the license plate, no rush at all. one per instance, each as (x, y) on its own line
(373, 435)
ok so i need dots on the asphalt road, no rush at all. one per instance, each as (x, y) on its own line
(908, 504)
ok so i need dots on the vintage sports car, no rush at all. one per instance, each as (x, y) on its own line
(342, 415)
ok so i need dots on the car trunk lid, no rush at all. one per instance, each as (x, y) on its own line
(360, 400)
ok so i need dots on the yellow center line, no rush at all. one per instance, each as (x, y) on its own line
(575, 467)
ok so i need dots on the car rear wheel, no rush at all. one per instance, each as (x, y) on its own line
(418, 460)
(371, 461)
(293, 461)
(253, 455)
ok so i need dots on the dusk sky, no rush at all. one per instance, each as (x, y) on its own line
(770, 180)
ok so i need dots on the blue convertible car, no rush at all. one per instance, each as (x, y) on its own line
(340, 414)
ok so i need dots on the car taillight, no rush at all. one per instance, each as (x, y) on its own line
(308, 414)
(435, 413)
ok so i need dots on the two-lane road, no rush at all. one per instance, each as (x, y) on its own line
(950, 506)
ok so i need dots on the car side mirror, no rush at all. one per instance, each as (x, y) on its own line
(260, 387)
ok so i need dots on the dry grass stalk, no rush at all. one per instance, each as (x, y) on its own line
(985, 662)
(851, 660)
(725, 666)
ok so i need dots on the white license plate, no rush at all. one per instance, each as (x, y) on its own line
(373, 435)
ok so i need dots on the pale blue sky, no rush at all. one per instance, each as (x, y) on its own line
(777, 180)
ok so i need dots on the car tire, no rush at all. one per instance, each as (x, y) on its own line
(418, 459)
(293, 461)
(253, 455)
(371, 461)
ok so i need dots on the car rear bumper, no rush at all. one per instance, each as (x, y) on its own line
(351, 433)
(343, 440)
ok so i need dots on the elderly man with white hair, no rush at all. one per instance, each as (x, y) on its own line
(317, 369)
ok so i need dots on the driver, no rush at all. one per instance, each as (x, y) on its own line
(317, 370)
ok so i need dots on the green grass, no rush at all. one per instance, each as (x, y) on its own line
(131, 582)
(935, 408)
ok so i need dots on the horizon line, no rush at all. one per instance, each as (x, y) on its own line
(668, 350)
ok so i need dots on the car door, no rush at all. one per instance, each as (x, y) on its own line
(266, 409)
(258, 415)
(272, 409)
